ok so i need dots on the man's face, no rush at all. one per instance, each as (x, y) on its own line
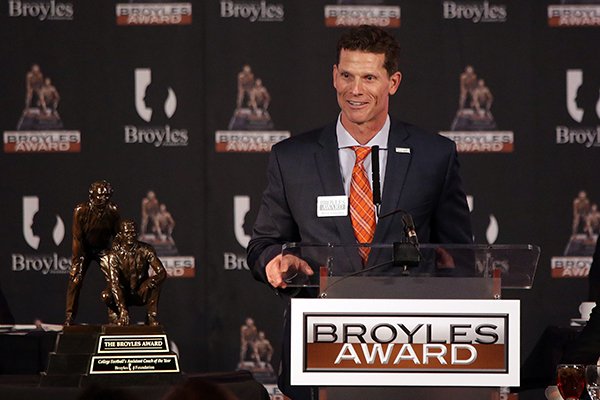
(363, 87)
(100, 196)
(129, 234)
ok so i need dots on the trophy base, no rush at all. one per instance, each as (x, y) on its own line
(244, 119)
(580, 245)
(112, 355)
(470, 120)
(34, 119)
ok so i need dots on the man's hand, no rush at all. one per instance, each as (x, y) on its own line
(285, 267)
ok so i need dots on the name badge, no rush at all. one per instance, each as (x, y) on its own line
(332, 206)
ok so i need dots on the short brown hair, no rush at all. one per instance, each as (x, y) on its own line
(371, 39)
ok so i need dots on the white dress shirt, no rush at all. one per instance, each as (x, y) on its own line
(348, 156)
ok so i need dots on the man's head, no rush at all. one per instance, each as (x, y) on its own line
(364, 77)
(371, 39)
(128, 232)
(100, 193)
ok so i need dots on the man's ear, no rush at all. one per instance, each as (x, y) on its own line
(395, 80)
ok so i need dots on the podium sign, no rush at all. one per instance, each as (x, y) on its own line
(391, 342)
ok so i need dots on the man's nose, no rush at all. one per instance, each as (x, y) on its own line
(356, 86)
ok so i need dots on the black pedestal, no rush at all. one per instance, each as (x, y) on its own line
(112, 355)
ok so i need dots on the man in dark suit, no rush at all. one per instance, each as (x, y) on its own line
(419, 173)
(585, 349)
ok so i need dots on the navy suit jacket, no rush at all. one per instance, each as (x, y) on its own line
(423, 181)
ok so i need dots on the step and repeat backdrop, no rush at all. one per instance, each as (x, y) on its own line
(177, 105)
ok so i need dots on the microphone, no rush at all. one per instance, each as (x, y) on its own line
(409, 229)
(375, 176)
(406, 253)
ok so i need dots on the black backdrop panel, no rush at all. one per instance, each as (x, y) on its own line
(149, 100)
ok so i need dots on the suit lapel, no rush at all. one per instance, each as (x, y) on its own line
(395, 176)
(328, 165)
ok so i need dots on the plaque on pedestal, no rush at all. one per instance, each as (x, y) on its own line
(133, 353)
(112, 355)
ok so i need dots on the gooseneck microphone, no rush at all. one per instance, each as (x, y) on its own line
(406, 253)
(409, 229)
(375, 177)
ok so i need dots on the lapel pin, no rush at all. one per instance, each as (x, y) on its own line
(405, 150)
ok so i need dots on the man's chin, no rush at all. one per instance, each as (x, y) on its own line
(355, 118)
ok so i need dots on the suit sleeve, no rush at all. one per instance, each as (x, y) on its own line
(274, 224)
(451, 221)
(594, 276)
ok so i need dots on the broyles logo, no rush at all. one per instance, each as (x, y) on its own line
(576, 15)
(154, 14)
(42, 10)
(155, 102)
(143, 79)
(40, 128)
(157, 229)
(404, 342)
(354, 15)
(241, 208)
(43, 231)
(31, 206)
(585, 228)
(583, 105)
(474, 129)
(250, 128)
(243, 217)
(491, 232)
(475, 12)
(253, 11)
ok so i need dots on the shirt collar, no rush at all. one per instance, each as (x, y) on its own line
(344, 138)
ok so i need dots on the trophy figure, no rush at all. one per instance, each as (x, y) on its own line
(157, 226)
(41, 103)
(130, 282)
(95, 224)
(585, 227)
(474, 104)
(256, 352)
(252, 104)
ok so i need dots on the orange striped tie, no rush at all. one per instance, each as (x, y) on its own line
(362, 210)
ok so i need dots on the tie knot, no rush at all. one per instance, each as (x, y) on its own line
(361, 153)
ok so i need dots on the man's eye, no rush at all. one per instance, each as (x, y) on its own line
(345, 75)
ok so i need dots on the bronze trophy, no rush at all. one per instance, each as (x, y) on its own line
(116, 352)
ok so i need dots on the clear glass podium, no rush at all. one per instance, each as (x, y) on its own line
(405, 271)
